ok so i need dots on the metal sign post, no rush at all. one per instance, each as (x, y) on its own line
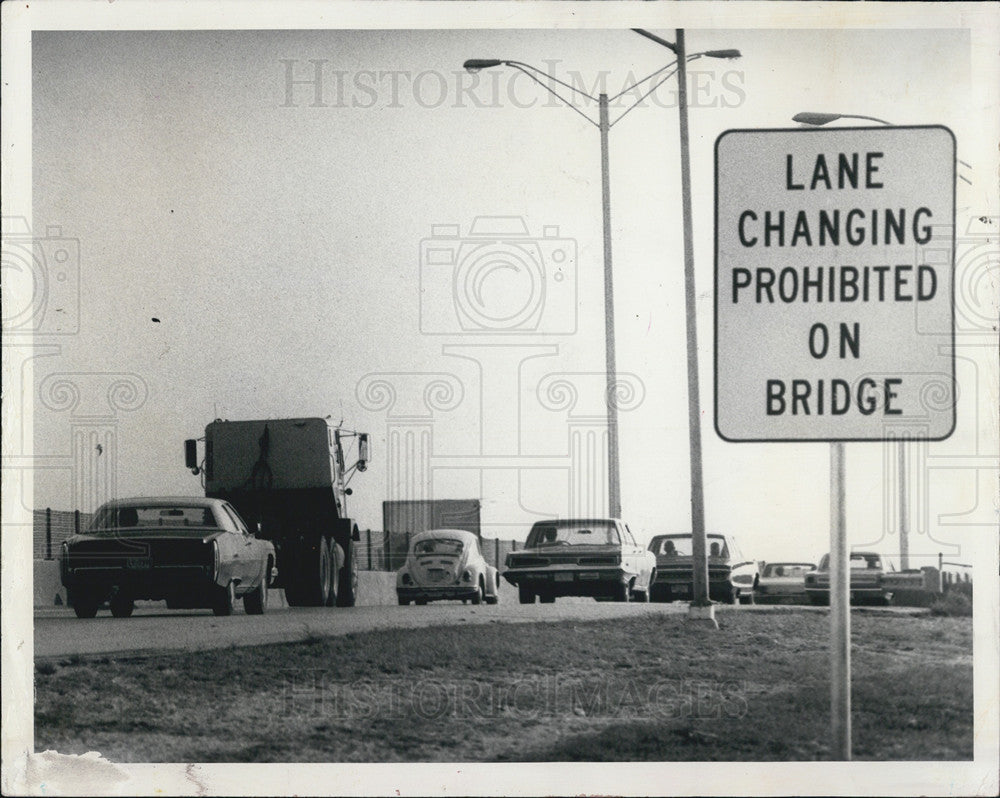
(829, 323)
(840, 610)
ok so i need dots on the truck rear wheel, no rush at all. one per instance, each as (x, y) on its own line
(347, 594)
(312, 581)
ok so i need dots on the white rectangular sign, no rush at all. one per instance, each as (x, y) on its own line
(834, 260)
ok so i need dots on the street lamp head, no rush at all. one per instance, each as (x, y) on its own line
(810, 118)
(475, 64)
(730, 54)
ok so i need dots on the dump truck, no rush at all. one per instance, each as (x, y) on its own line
(288, 479)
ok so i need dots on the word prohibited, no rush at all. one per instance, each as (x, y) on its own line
(820, 279)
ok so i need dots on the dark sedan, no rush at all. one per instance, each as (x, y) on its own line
(595, 557)
(190, 552)
(732, 577)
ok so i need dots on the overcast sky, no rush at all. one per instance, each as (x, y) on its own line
(248, 252)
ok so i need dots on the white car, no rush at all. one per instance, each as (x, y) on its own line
(446, 564)
(784, 580)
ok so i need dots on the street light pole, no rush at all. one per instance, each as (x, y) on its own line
(611, 390)
(604, 125)
(701, 605)
(699, 596)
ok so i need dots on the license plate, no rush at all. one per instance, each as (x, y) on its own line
(590, 576)
(680, 590)
(564, 577)
(137, 563)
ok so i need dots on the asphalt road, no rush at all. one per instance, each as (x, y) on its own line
(153, 628)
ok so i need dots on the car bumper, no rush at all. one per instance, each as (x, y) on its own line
(412, 592)
(669, 591)
(771, 592)
(570, 582)
(856, 592)
(151, 584)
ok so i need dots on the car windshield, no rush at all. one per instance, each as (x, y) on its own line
(680, 546)
(138, 516)
(438, 546)
(573, 533)
(787, 569)
(858, 562)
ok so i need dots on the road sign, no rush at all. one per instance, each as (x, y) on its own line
(834, 262)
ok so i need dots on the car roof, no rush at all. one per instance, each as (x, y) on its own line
(164, 501)
(578, 521)
(462, 534)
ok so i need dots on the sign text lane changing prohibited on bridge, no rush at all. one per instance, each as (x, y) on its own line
(834, 253)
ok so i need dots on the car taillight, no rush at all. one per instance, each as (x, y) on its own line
(215, 559)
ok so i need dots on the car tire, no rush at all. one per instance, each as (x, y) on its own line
(495, 598)
(122, 605)
(403, 602)
(347, 589)
(525, 595)
(732, 594)
(641, 596)
(747, 598)
(420, 602)
(224, 599)
(622, 592)
(477, 597)
(546, 598)
(255, 602)
(84, 604)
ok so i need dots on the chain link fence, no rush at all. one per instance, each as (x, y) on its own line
(377, 550)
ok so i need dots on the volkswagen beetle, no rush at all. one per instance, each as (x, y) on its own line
(446, 564)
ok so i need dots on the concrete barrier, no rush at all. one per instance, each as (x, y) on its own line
(375, 588)
(48, 590)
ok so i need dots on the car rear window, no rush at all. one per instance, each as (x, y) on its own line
(680, 546)
(599, 533)
(787, 569)
(438, 546)
(135, 516)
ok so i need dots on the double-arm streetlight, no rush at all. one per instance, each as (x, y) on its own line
(604, 125)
